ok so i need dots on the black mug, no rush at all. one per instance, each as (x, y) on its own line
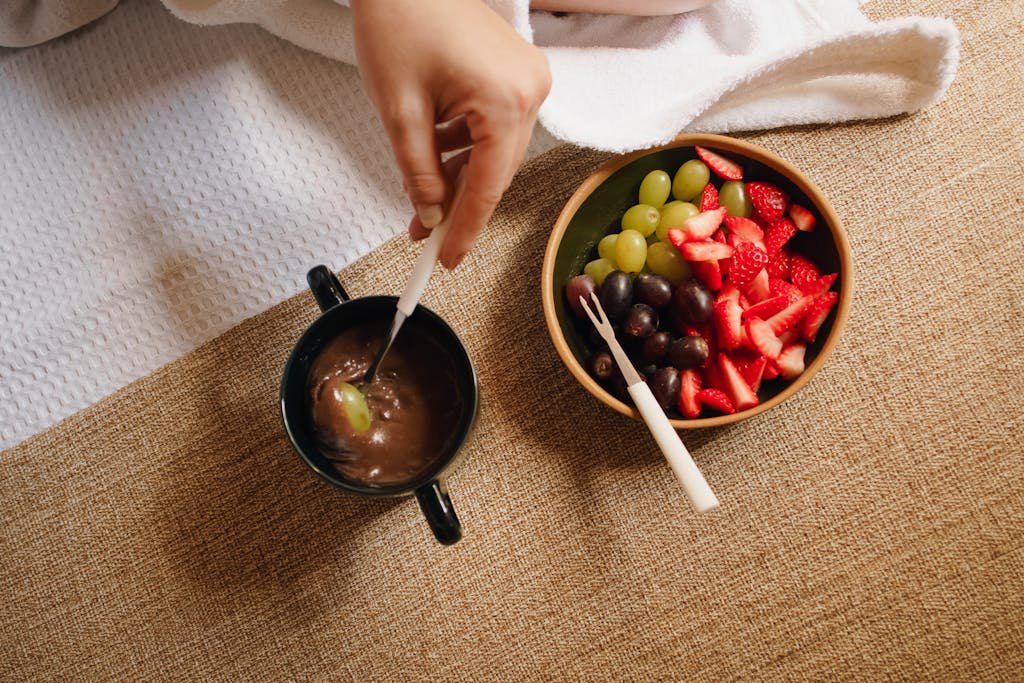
(338, 313)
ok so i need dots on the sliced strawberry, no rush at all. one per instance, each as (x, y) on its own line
(816, 314)
(705, 251)
(769, 201)
(791, 335)
(723, 264)
(729, 291)
(716, 400)
(778, 264)
(708, 272)
(676, 237)
(763, 338)
(819, 286)
(739, 391)
(728, 326)
(790, 315)
(802, 217)
(752, 372)
(791, 361)
(771, 370)
(758, 289)
(802, 271)
(690, 384)
(744, 228)
(744, 301)
(767, 308)
(723, 168)
(747, 261)
(777, 287)
(703, 225)
(778, 233)
(708, 198)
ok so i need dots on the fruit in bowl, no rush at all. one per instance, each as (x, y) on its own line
(725, 271)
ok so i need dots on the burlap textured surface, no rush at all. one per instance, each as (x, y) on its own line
(872, 527)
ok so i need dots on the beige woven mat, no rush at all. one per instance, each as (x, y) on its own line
(872, 526)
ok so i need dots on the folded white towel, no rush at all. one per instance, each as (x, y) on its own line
(622, 83)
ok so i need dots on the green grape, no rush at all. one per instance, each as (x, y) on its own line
(733, 196)
(353, 404)
(599, 269)
(630, 251)
(690, 179)
(674, 215)
(655, 188)
(642, 218)
(606, 247)
(665, 260)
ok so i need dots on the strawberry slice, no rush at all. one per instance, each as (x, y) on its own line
(763, 338)
(791, 360)
(821, 285)
(802, 271)
(771, 370)
(777, 287)
(758, 289)
(816, 314)
(744, 228)
(778, 264)
(705, 251)
(690, 384)
(747, 261)
(723, 168)
(752, 372)
(729, 291)
(703, 225)
(708, 272)
(789, 336)
(790, 315)
(802, 217)
(723, 264)
(709, 198)
(778, 233)
(740, 393)
(716, 400)
(767, 308)
(727, 316)
(769, 201)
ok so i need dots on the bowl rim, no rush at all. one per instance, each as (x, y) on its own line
(728, 145)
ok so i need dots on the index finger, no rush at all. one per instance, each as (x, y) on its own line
(492, 161)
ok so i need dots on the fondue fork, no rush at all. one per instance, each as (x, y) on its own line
(702, 498)
(425, 263)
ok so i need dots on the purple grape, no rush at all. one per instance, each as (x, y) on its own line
(665, 386)
(616, 294)
(581, 285)
(641, 321)
(653, 290)
(656, 346)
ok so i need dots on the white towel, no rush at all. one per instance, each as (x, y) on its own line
(623, 83)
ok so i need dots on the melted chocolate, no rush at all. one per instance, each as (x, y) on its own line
(414, 400)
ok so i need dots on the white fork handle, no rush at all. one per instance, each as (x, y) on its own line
(697, 490)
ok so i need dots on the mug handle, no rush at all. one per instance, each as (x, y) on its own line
(437, 508)
(326, 289)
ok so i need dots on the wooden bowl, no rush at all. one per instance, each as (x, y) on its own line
(595, 209)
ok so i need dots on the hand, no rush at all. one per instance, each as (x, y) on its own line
(458, 64)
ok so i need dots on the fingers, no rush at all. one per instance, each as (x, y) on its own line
(412, 133)
(451, 166)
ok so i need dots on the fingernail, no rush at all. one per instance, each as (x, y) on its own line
(430, 215)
